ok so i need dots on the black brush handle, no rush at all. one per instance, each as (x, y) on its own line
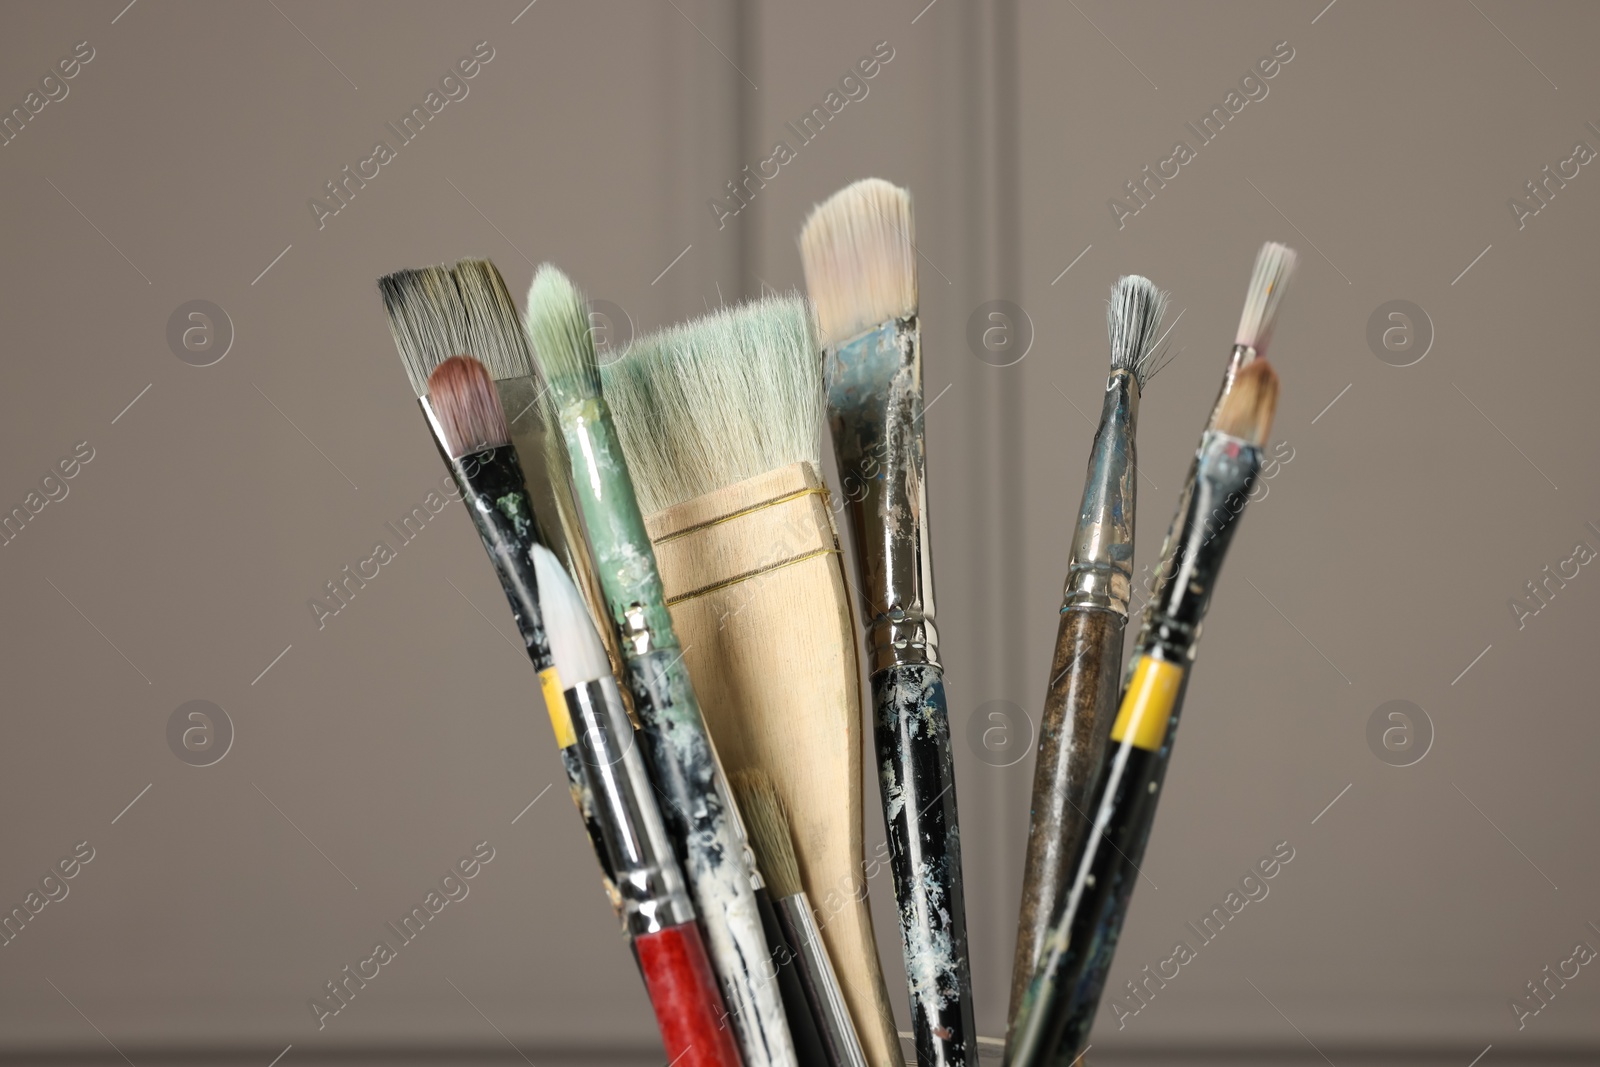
(917, 778)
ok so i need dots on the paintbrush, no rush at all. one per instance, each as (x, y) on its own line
(860, 268)
(660, 918)
(430, 323)
(720, 419)
(1053, 1019)
(1082, 694)
(769, 826)
(464, 307)
(701, 815)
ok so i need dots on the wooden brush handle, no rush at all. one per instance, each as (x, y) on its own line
(1078, 708)
(760, 606)
(689, 1009)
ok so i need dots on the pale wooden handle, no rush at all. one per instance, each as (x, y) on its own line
(760, 607)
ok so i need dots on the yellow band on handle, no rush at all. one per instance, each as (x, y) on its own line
(555, 702)
(1147, 707)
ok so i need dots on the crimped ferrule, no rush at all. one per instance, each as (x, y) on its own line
(649, 884)
(875, 411)
(1100, 574)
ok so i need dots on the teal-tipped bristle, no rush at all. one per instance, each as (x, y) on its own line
(718, 400)
(558, 326)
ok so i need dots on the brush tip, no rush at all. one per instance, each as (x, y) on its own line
(439, 311)
(467, 407)
(859, 257)
(575, 644)
(768, 823)
(718, 400)
(558, 325)
(1248, 409)
(1275, 264)
(1133, 323)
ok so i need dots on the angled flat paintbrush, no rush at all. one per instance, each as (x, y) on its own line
(721, 420)
(701, 814)
(1082, 693)
(860, 268)
(431, 322)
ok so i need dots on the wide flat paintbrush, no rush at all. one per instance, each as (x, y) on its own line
(721, 422)
(861, 271)
(700, 814)
(1082, 693)
(431, 323)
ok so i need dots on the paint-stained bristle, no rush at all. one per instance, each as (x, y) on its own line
(558, 325)
(1274, 264)
(441, 311)
(1249, 406)
(1133, 321)
(768, 824)
(574, 642)
(860, 263)
(494, 334)
(427, 320)
(465, 403)
(718, 400)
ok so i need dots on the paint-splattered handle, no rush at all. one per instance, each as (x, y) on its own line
(683, 991)
(917, 775)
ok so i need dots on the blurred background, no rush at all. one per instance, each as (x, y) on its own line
(1430, 161)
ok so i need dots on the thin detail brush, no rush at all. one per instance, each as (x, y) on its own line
(721, 421)
(1053, 1020)
(774, 847)
(1082, 693)
(660, 919)
(860, 266)
(701, 815)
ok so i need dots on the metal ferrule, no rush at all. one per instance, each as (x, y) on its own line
(820, 981)
(875, 411)
(648, 881)
(1100, 574)
(1225, 471)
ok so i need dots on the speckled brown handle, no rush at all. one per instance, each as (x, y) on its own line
(1079, 705)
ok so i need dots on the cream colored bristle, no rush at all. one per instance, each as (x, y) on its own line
(718, 400)
(1274, 264)
(764, 817)
(859, 256)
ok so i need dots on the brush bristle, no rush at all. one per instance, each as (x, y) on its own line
(1274, 264)
(464, 401)
(1133, 322)
(768, 824)
(494, 331)
(442, 311)
(717, 400)
(859, 256)
(558, 325)
(1248, 408)
(574, 642)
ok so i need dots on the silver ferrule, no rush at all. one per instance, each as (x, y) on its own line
(875, 411)
(649, 882)
(1100, 574)
(821, 982)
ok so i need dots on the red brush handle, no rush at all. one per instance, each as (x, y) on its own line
(689, 1011)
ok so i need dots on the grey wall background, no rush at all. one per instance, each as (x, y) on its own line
(371, 754)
